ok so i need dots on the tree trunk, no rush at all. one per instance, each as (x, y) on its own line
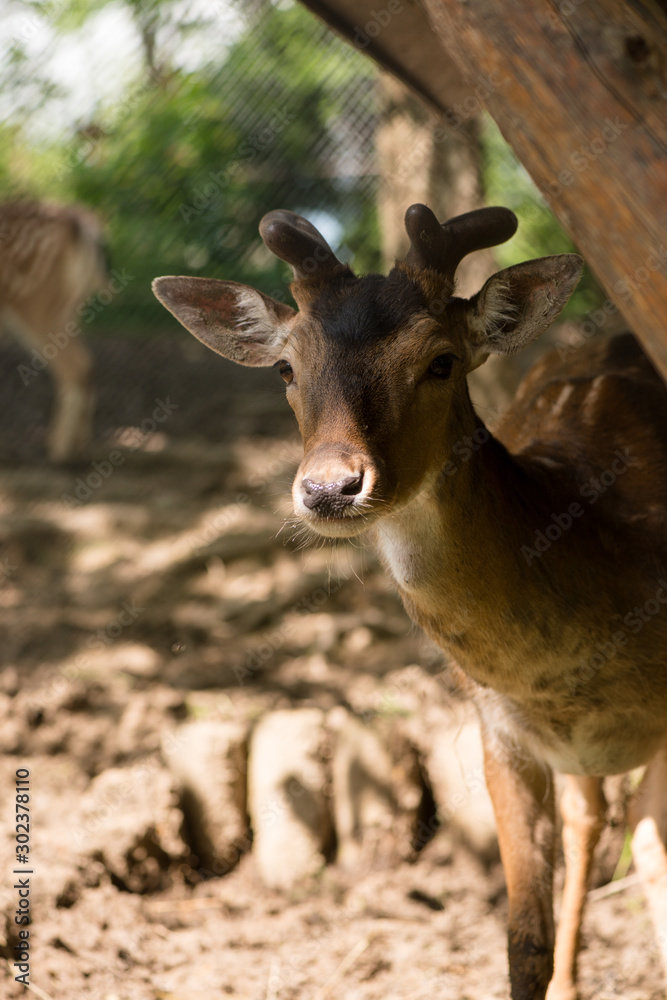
(420, 159)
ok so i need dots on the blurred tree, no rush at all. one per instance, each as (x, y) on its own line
(185, 165)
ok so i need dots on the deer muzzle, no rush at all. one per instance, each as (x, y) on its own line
(332, 490)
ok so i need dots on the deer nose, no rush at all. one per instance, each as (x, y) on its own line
(331, 498)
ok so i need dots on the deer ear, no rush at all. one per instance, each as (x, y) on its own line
(234, 320)
(518, 304)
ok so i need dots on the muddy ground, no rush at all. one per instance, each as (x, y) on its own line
(171, 589)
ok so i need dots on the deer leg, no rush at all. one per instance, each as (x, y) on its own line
(583, 808)
(648, 820)
(69, 363)
(71, 426)
(521, 791)
(70, 432)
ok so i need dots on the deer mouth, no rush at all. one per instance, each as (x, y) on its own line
(345, 525)
(331, 511)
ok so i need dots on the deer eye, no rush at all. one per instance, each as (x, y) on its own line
(441, 366)
(285, 369)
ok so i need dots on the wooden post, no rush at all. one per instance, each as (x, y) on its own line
(579, 91)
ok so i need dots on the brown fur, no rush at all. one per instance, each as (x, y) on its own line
(50, 262)
(536, 558)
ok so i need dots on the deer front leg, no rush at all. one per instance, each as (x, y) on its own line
(583, 808)
(70, 366)
(70, 432)
(648, 819)
(521, 791)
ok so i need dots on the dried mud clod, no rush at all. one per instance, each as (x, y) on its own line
(208, 760)
(288, 796)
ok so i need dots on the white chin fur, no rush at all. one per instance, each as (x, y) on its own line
(344, 527)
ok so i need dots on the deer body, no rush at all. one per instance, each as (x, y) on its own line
(525, 632)
(51, 261)
(536, 558)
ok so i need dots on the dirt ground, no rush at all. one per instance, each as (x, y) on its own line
(169, 587)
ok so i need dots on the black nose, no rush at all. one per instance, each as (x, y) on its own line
(331, 498)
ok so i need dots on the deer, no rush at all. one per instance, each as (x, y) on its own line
(534, 556)
(52, 260)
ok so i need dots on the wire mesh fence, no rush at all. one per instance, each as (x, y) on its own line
(180, 123)
(183, 161)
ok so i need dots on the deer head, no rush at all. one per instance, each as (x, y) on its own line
(375, 366)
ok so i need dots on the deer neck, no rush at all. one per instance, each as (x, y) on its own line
(454, 551)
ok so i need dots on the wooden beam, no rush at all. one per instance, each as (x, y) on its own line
(580, 94)
(398, 36)
(579, 91)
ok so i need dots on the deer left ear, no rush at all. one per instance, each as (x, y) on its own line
(234, 320)
(518, 304)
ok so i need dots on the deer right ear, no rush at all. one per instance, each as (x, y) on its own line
(234, 320)
(518, 304)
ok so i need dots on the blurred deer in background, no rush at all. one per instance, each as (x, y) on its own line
(535, 557)
(51, 261)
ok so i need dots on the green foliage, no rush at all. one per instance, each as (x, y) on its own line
(183, 167)
(68, 16)
(186, 165)
(539, 234)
